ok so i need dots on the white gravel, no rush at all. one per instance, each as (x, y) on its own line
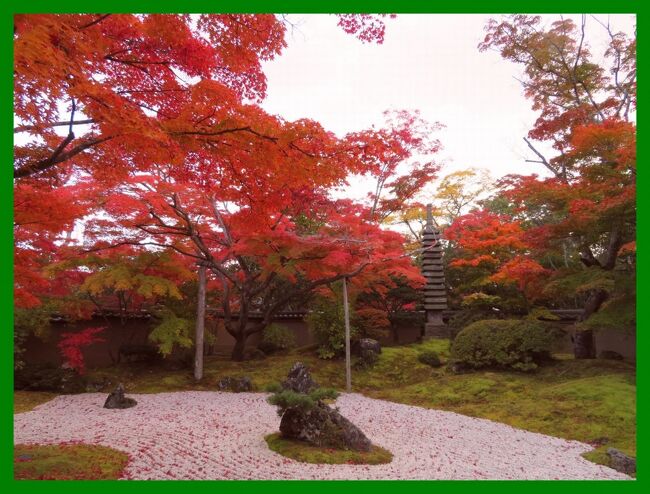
(211, 435)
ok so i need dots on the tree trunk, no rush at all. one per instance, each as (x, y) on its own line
(395, 333)
(238, 350)
(200, 326)
(584, 344)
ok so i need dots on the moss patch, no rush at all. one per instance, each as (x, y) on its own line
(589, 401)
(24, 401)
(301, 451)
(68, 462)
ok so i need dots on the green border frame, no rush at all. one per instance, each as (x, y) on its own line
(288, 6)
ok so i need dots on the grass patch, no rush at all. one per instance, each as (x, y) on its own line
(306, 453)
(24, 401)
(68, 462)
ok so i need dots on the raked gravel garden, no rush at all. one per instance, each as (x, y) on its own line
(213, 435)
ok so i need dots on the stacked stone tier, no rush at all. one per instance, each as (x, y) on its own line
(435, 294)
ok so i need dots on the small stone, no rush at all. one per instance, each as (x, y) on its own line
(235, 384)
(244, 384)
(117, 399)
(457, 367)
(621, 462)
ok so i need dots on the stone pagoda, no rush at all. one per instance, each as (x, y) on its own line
(435, 294)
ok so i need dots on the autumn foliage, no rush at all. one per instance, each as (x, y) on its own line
(145, 132)
(71, 345)
(142, 152)
(570, 234)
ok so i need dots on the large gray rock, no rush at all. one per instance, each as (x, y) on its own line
(117, 399)
(621, 462)
(369, 345)
(320, 425)
(299, 380)
(323, 426)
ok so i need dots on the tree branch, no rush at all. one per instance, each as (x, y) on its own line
(544, 161)
(58, 156)
(25, 128)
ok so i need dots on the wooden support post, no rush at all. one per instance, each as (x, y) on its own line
(346, 311)
(200, 326)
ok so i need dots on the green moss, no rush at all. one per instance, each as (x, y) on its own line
(24, 401)
(303, 452)
(68, 462)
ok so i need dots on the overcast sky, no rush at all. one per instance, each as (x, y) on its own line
(428, 62)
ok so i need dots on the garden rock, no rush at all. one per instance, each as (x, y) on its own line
(319, 425)
(117, 399)
(323, 426)
(254, 354)
(621, 462)
(368, 351)
(369, 345)
(610, 355)
(299, 380)
(457, 367)
(235, 384)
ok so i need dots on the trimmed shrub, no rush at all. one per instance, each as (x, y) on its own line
(430, 357)
(49, 377)
(285, 399)
(516, 344)
(325, 321)
(465, 317)
(276, 337)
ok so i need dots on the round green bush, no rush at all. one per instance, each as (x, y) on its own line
(515, 344)
(430, 357)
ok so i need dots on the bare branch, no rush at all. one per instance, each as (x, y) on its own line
(96, 21)
(543, 160)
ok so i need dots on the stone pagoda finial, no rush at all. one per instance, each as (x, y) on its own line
(435, 294)
(428, 227)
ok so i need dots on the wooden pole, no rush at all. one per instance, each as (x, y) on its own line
(200, 326)
(346, 311)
